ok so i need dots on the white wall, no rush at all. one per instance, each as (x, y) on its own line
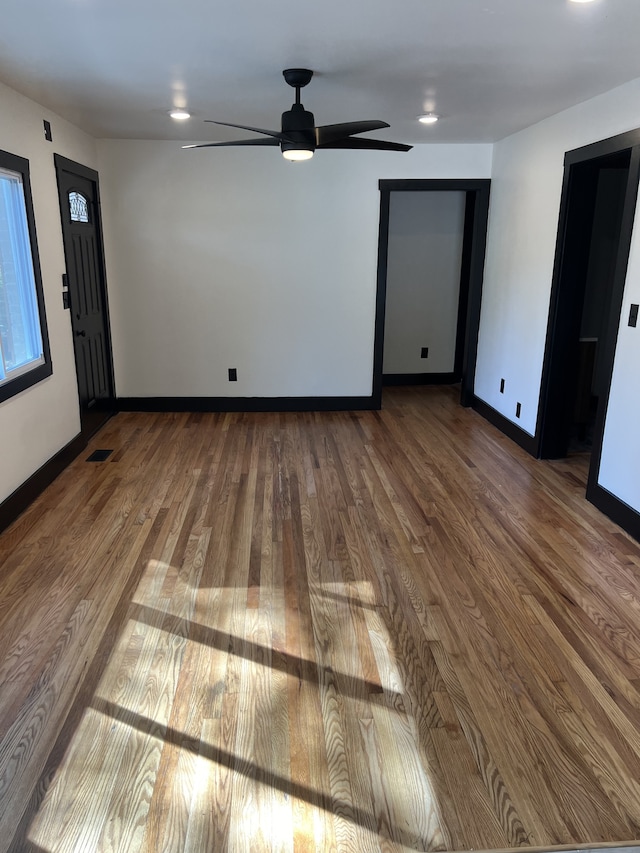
(620, 462)
(426, 232)
(523, 220)
(37, 423)
(236, 258)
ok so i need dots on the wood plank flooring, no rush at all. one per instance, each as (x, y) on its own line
(372, 631)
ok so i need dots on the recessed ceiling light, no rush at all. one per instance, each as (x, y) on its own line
(429, 118)
(179, 115)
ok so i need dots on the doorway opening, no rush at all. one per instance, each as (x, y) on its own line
(594, 215)
(445, 311)
(594, 235)
(426, 288)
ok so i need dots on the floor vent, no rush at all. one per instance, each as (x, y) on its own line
(99, 455)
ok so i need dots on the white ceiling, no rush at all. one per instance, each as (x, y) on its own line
(489, 67)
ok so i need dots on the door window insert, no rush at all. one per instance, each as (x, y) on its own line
(78, 207)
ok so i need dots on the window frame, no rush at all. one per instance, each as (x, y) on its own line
(28, 376)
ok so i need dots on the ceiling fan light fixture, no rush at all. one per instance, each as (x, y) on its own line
(299, 137)
(296, 155)
(429, 118)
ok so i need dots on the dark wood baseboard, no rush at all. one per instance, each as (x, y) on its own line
(515, 433)
(25, 494)
(618, 511)
(245, 404)
(420, 379)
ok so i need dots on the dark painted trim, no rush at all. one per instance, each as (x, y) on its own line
(515, 433)
(25, 494)
(420, 378)
(381, 296)
(465, 279)
(433, 184)
(579, 188)
(481, 195)
(477, 208)
(25, 380)
(563, 325)
(245, 404)
(67, 165)
(615, 312)
(603, 148)
(621, 513)
(618, 511)
(560, 310)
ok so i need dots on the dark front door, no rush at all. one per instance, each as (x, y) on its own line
(82, 235)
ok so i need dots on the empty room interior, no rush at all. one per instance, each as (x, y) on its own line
(319, 527)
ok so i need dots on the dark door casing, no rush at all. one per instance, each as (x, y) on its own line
(473, 252)
(576, 208)
(559, 376)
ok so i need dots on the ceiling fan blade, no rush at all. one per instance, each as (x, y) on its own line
(331, 132)
(275, 133)
(371, 144)
(267, 141)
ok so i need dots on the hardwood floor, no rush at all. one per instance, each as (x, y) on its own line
(372, 631)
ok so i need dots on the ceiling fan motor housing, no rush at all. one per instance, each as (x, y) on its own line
(298, 129)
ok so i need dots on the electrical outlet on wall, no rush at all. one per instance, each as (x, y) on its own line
(424, 352)
(233, 374)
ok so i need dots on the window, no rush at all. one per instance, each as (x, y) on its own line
(78, 207)
(24, 349)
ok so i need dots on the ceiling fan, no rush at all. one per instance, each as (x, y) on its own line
(299, 137)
